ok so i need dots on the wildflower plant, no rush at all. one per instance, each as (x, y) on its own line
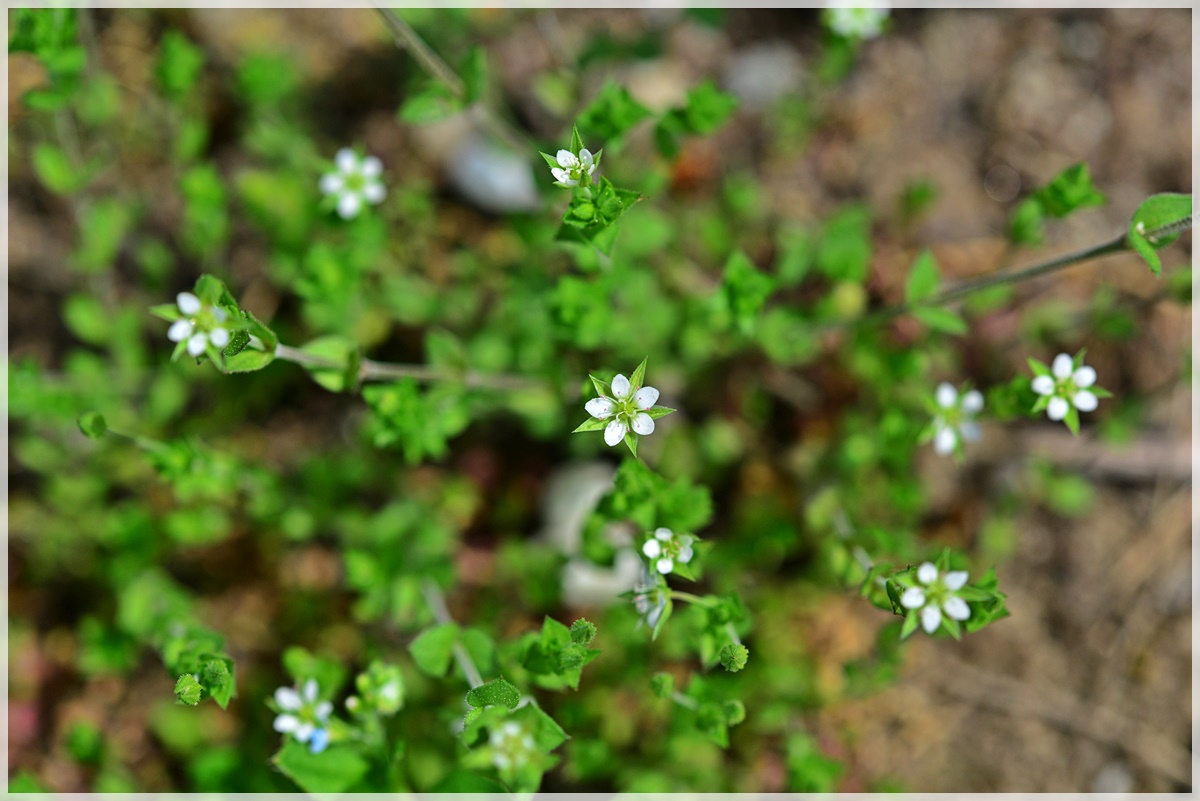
(953, 421)
(624, 409)
(1066, 388)
(354, 183)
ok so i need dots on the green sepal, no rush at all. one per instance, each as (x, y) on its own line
(656, 411)
(166, 311)
(639, 375)
(1038, 368)
(592, 424)
(1072, 420)
(951, 625)
(911, 621)
(576, 140)
(602, 387)
(631, 442)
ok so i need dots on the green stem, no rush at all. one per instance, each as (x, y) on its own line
(733, 635)
(695, 599)
(683, 700)
(437, 605)
(370, 370)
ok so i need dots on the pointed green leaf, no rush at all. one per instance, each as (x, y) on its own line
(922, 279)
(591, 424)
(656, 412)
(631, 442)
(93, 425)
(639, 375)
(941, 319)
(497, 692)
(433, 649)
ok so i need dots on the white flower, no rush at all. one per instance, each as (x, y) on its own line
(355, 181)
(572, 169)
(302, 716)
(856, 23)
(199, 325)
(664, 550)
(650, 599)
(511, 745)
(626, 410)
(1066, 386)
(936, 596)
(955, 419)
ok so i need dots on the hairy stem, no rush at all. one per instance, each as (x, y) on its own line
(437, 605)
(733, 635)
(370, 370)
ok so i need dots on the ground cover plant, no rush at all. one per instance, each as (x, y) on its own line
(503, 400)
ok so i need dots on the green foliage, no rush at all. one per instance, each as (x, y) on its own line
(418, 421)
(707, 108)
(93, 425)
(744, 290)
(1068, 191)
(592, 215)
(611, 114)
(1156, 224)
(179, 65)
(335, 770)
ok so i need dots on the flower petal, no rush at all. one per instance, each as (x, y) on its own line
(663, 533)
(599, 408)
(219, 337)
(685, 554)
(374, 192)
(972, 402)
(346, 160)
(187, 303)
(955, 579)
(927, 573)
(931, 618)
(947, 395)
(287, 698)
(179, 330)
(1057, 408)
(665, 565)
(1062, 366)
(645, 397)
(310, 690)
(563, 177)
(643, 424)
(323, 710)
(331, 183)
(1084, 377)
(969, 431)
(319, 741)
(956, 608)
(614, 433)
(218, 314)
(196, 344)
(585, 158)
(371, 167)
(620, 386)
(913, 598)
(286, 724)
(1043, 385)
(348, 205)
(1085, 401)
(566, 159)
(945, 440)
(652, 549)
(304, 731)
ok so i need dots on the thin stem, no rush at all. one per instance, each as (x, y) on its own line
(695, 599)
(733, 635)
(437, 605)
(370, 370)
(410, 40)
(683, 700)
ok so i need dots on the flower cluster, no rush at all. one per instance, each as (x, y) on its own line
(574, 170)
(1066, 388)
(303, 716)
(856, 23)
(954, 422)
(936, 594)
(512, 745)
(664, 549)
(199, 325)
(354, 182)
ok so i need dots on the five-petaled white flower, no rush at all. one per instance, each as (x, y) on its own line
(856, 23)
(626, 409)
(511, 745)
(302, 716)
(573, 168)
(1066, 386)
(665, 549)
(955, 418)
(199, 325)
(936, 595)
(354, 182)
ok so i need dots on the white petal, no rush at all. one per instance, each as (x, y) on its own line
(1057, 408)
(187, 302)
(285, 724)
(310, 690)
(346, 160)
(304, 731)
(685, 554)
(913, 598)
(945, 440)
(931, 618)
(219, 337)
(179, 330)
(652, 549)
(560, 175)
(196, 344)
(955, 579)
(323, 711)
(969, 431)
(956, 608)
(645, 397)
(1085, 401)
(566, 158)
(620, 386)
(287, 698)
(218, 314)
(643, 424)
(947, 395)
(599, 408)
(664, 534)
(1084, 377)
(927, 573)
(1062, 366)
(972, 402)
(371, 167)
(331, 183)
(665, 565)
(614, 433)
(1043, 385)
(348, 205)
(374, 192)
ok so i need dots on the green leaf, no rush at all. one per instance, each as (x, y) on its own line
(1157, 223)
(103, 228)
(474, 74)
(93, 425)
(1143, 248)
(434, 103)
(1037, 367)
(922, 279)
(707, 108)
(1025, 225)
(745, 289)
(341, 350)
(334, 770)
(497, 692)
(592, 424)
(54, 169)
(188, 690)
(433, 649)
(941, 319)
(179, 64)
(1069, 191)
(576, 140)
(844, 253)
(638, 377)
(631, 442)
(611, 114)
(911, 621)
(602, 388)
(246, 360)
(656, 412)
